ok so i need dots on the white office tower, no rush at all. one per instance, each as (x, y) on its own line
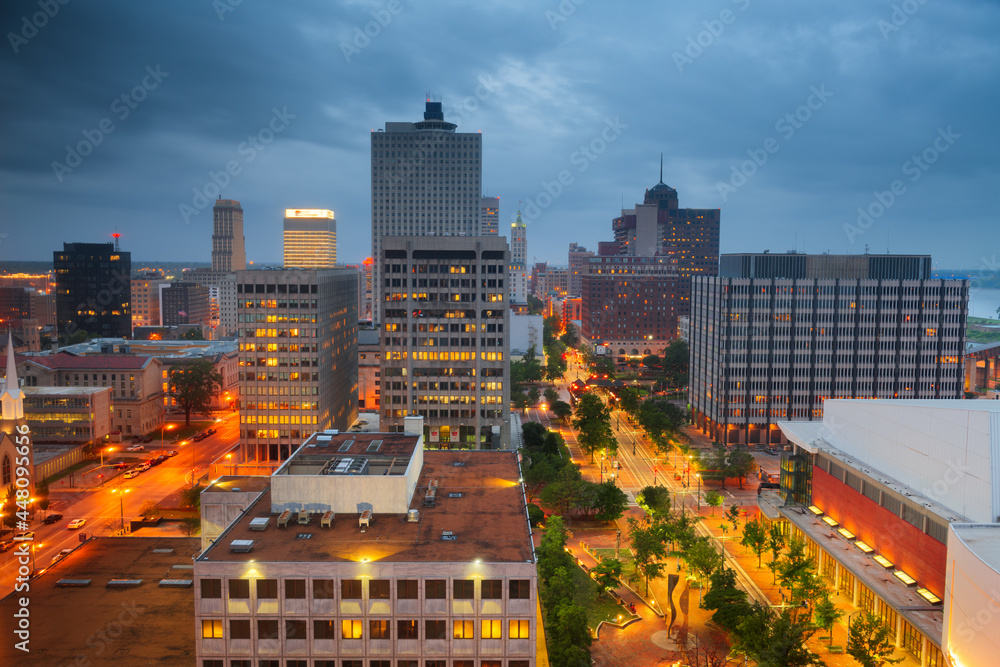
(426, 181)
(310, 238)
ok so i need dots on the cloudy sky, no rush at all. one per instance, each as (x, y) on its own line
(813, 125)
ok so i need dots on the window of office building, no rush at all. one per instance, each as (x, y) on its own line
(324, 589)
(378, 589)
(491, 628)
(350, 589)
(406, 589)
(464, 630)
(267, 589)
(520, 589)
(325, 629)
(434, 589)
(295, 589)
(379, 630)
(211, 629)
(352, 629)
(239, 629)
(520, 629)
(407, 630)
(211, 588)
(465, 589)
(492, 589)
(435, 630)
(239, 589)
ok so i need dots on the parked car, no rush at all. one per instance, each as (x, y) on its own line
(158, 460)
(198, 437)
(172, 452)
(30, 535)
(144, 466)
(129, 474)
(135, 448)
(147, 439)
(209, 432)
(121, 465)
(6, 544)
(76, 523)
(52, 518)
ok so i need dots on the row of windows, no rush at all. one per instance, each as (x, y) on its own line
(268, 628)
(378, 589)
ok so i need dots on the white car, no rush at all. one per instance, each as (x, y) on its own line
(76, 523)
(62, 554)
(129, 474)
(135, 448)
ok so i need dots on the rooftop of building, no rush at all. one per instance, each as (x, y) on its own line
(78, 618)
(359, 453)
(982, 539)
(479, 513)
(63, 391)
(71, 361)
(239, 483)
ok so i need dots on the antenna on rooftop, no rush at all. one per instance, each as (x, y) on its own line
(661, 167)
(116, 236)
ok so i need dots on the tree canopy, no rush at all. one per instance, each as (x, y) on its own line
(193, 386)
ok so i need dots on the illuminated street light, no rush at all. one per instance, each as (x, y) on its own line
(121, 504)
(169, 427)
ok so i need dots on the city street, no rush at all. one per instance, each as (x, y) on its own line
(106, 504)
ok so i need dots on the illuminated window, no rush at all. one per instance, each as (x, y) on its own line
(465, 630)
(211, 629)
(492, 628)
(351, 629)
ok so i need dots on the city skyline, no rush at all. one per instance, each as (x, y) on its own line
(864, 110)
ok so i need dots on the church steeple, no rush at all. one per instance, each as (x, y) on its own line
(12, 398)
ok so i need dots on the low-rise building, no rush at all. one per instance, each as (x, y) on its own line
(365, 548)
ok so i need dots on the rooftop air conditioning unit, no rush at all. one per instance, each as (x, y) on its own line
(241, 546)
(413, 516)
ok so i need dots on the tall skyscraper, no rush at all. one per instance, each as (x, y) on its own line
(773, 336)
(489, 216)
(578, 263)
(446, 339)
(228, 250)
(310, 237)
(298, 338)
(518, 242)
(426, 181)
(94, 289)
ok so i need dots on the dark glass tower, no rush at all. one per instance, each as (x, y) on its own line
(93, 289)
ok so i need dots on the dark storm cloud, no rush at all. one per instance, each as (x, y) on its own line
(591, 89)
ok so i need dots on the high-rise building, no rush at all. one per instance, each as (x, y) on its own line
(577, 268)
(426, 181)
(94, 289)
(689, 236)
(146, 301)
(773, 336)
(222, 292)
(489, 216)
(228, 249)
(446, 339)
(185, 303)
(629, 304)
(517, 274)
(298, 339)
(310, 238)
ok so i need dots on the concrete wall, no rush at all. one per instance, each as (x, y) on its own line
(525, 330)
(972, 598)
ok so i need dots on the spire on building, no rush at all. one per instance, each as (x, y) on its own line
(12, 398)
(661, 167)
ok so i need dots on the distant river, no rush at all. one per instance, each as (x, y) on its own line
(984, 303)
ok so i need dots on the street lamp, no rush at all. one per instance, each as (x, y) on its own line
(110, 449)
(163, 426)
(121, 504)
(229, 460)
(698, 475)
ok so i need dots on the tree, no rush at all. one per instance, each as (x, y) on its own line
(611, 502)
(739, 464)
(675, 362)
(825, 614)
(193, 386)
(192, 334)
(564, 492)
(535, 514)
(713, 499)
(593, 421)
(10, 508)
(551, 326)
(190, 525)
(539, 474)
(570, 338)
(520, 399)
(535, 305)
(755, 538)
(662, 421)
(727, 602)
(654, 501)
(533, 396)
(871, 641)
(570, 640)
(733, 514)
(531, 367)
(148, 510)
(555, 366)
(652, 361)
(551, 395)
(42, 494)
(191, 497)
(774, 640)
(552, 549)
(629, 400)
(606, 574)
(561, 409)
(702, 557)
(775, 540)
(648, 549)
(533, 434)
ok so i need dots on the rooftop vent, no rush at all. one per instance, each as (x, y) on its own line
(459, 464)
(345, 446)
(448, 536)
(236, 489)
(413, 516)
(124, 583)
(374, 445)
(303, 536)
(241, 546)
(331, 431)
(324, 438)
(162, 551)
(260, 523)
(176, 583)
(430, 498)
(455, 495)
(73, 583)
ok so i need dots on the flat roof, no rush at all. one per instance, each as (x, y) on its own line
(928, 619)
(128, 625)
(244, 483)
(479, 502)
(982, 539)
(351, 453)
(63, 391)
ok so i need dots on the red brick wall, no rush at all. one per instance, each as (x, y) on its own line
(910, 549)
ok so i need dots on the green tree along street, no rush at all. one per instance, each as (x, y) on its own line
(755, 538)
(607, 573)
(774, 640)
(561, 409)
(871, 642)
(654, 501)
(727, 602)
(713, 499)
(826, 614)
(661, 420)
(593, 421)
(567, 632)
(648, 549)
(193, 386)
